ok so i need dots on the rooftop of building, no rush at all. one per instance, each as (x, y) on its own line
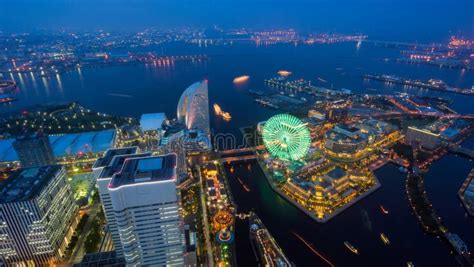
(117, 163)
(31, 137)
(111, 153)
(66, 144)
(336, 174)
(152, 121)
(24, 184)
(146, 169)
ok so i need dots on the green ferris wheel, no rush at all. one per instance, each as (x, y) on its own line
(286, 137)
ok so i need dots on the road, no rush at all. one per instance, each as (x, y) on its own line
(207, 235)
(79, 251)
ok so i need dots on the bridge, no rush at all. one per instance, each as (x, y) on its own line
(394, 43)
(238, 158)
(462, 151)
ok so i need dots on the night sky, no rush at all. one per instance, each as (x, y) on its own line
(416, 20)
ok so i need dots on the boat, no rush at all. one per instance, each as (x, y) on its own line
(383, 210)
(243, 184)
(6, 99)
(284, 73)
(226, 116)
(217, 109)
(351, 247)
(322, 80)
(258, 93)
(384, 239)
(410, 264)
(402, 169)
(219, 112)
(241, 79)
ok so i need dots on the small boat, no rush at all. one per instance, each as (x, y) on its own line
(410, 264)
(217, 109)
(226, 116)
(351, 247)
(6, 99)
(284, 73)
(322, 80)
(241, 79)
(383, 210)
(384, 239)
(219, 112)
(246, 188)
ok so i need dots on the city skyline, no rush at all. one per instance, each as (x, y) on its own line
(225, 133)
(387, 21)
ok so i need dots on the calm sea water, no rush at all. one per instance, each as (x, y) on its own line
(133, 90)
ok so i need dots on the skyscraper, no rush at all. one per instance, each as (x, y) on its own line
(104, 168)
(145, 202)
(37, 216)
(34, 150)
(193, 107)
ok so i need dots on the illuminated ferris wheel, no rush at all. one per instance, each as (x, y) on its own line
(286, 137)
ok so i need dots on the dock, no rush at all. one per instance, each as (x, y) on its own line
(467, 203)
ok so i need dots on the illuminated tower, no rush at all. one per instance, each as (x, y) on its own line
(104, 168)
(145, 203)
(38, 215)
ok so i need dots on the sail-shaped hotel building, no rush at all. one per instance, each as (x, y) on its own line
(193, 108)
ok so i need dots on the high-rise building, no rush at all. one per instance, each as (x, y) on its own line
(34, 150)
(37, 216)
(146, 205)
(193, 107)
(104, 168)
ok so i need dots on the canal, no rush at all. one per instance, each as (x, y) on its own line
(361, 225)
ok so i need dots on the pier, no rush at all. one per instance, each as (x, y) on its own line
(467, 204)
(469, 153)
(430, 84)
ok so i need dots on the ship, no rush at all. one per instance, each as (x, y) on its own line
(217, 109)
(6, 99)
(219, 112)
(384, 239)
(226, 116)
(322, 80)
(284, 73)
(410, 264)
(351, 247)
(403, 169)
(243, 184)
(383, 210)
(241, 79)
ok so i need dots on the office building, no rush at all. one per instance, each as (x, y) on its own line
(146, 205)
(104, 168)
(34, 150)
(37, 216)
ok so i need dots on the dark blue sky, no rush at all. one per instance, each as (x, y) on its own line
(422, 20)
